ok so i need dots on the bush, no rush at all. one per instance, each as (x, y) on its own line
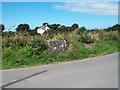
(111, 35)
(86, 38)
(72, 50)
(38, 46)
(71, 37)
(62, 56)
(16, 41)
(59, 36)
(104, 47)
(81, 30)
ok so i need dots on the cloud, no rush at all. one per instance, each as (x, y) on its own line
(98, 8)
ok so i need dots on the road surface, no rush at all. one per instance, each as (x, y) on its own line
(97, 72)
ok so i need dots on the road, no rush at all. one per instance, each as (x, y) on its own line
(97, 72)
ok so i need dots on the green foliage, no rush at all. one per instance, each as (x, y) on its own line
(37, 46)
(22, 58)
(63, 29)
(71, 37)
(105, 47)
(111, 35)
(87, 38)
(49, 34)
(2, 27)
(59, 36)
(81, 30)
(45, 23)
(74, 26)
(113, 28)
(16, 41)
(23, 28)
(32, 32)
(8, 34)
(23, 50)
(54, 26)
(62, 57)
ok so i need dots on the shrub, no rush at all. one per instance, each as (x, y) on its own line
(87, 38)
(105, 47)
(38, 46)
(71, 37)
(58, 36)
(62, 56)
(81, 30)
(72, 50)
(111, 35)
(16, 41)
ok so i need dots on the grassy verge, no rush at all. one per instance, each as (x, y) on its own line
(20, 58)
(23, 50)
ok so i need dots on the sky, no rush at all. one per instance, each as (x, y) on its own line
(95, 14)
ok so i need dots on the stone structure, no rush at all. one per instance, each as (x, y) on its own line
(57, 45)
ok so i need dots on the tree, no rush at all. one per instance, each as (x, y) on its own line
(23, 28)
(63, 28)
(54, 26)
(45, 23)
(2, 27)
(35, 29)
(81, 30)
(113, 28)
(74, 26)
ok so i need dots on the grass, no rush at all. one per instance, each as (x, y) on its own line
(22, 57)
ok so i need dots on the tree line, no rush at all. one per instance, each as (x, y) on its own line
(54, 28)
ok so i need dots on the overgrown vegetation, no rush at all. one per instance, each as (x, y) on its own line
(22, 49)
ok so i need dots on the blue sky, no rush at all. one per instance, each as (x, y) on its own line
(90, 15)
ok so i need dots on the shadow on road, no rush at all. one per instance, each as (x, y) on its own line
(21, 79)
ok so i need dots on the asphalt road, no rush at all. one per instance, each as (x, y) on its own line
(97, 72)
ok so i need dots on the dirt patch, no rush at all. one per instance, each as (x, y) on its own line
(88, 46)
